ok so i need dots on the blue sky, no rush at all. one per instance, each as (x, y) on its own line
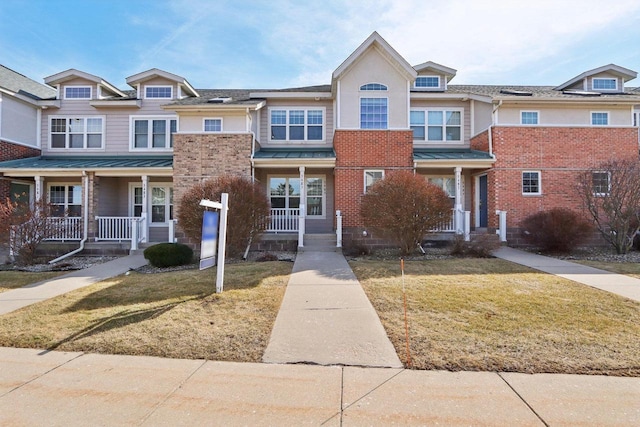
(275, 44)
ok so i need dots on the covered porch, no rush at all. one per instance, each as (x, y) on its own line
(106, 199)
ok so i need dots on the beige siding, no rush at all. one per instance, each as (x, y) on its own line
(264, 136)
(482, 117)
(571, 115)
(466, 128)
(18, 121)
(373, 67)
(231, 121)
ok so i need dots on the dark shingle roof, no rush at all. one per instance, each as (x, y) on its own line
(501, 91)
(16, 82)
(89, 162)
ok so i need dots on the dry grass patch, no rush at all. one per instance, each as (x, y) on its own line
(10, 279)
(176, 314)
(627, 268)
(492, 315)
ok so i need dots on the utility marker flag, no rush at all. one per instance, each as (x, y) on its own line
(209, 243)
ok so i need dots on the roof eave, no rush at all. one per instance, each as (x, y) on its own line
(297, 162)
(446, 163)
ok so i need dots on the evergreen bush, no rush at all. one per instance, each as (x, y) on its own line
(168, 254)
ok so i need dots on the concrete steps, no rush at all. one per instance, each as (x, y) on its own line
(320, 243)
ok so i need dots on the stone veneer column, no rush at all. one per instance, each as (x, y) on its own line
(94, 193)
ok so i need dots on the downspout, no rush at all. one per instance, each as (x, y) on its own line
(253, 145)
(85, 229)
(493, 123)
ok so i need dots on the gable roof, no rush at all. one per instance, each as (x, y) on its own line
(376, 40)
(439, 69)
(625, 73)
(20, 84)
(156, 72)
(72, 73)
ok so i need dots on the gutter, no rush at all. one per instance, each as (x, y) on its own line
(85, 230)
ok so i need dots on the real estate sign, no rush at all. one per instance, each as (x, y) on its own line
(209, 243)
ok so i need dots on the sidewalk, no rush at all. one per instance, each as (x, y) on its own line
(31, 294)
(620, 284)
(40, 388)
(326, 318)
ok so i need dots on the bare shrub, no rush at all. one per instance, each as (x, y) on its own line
(248, 210)
(556, 230)
(479, 246)
(404, 207)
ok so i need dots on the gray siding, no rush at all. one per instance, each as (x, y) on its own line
(18, 121)
(264, 137)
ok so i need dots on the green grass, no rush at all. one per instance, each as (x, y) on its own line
(492, 315)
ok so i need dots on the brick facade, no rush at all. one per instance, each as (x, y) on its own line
(198, 157)
(10, 151)
(560, 154)
(356, 151)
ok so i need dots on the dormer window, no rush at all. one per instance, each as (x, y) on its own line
(373, 86)
(605, 84)
(77, 92)
(429, 82)
(158, 92)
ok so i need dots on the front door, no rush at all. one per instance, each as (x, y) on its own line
(482, 201)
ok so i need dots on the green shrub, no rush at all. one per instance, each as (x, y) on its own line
(168, 254)
(556, 230)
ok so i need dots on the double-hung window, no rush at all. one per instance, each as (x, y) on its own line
(158, 92)
(66, 200)
(436, 125)
(212, 125)
(76, 132)
(160, 203)
(601, 183)
(284, 194)
(529, 117)
(448, 185)
(296, 124)
(531, 183)
(599, 118)
(374, 113)
(371, 177)
(152, 133)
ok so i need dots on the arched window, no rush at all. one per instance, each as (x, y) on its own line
(373, 86)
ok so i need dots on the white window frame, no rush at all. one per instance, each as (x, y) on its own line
(415, 83)
(204, 124)
(593, 83)
(600, 194)
(306, 125)
(297, 178)
(360, 112)
(66, 186)
(599, 112)
(167, 187)
(76, 98)
(146, 95)
(444, 111)
(374, 87)
(539, 175)
(537, 113)
(168, 144)
(444, 186)
(375, 180)
(67, 133)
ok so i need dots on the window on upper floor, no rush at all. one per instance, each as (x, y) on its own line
(297, 124)
(601, 183)
(529, 117)
(66, 200)
(433, 125)
(371, 177)
(76, 132)
(77, 92)
(605, 83)
(531, 183)
(427, 82)
(212, 125)
(599, 118)
(374, 113)
(158, 92)
(152, 133)
(373, 86)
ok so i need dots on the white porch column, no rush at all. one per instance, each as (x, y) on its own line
(39, 187)
(145, 207)
(303, 208)
(459, 218)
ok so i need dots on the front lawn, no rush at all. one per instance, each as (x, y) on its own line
(12, 279)
(493, 315)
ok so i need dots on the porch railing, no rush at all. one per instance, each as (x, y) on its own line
(283, 220)
(118, 228)
(64, 228)
(447, 224)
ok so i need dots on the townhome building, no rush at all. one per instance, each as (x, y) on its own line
(116, 162)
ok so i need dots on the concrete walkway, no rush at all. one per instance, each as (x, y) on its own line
(31, 294)
(620, 284)
(39, 388)
(326, 318)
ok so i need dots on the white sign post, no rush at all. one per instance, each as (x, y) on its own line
(223, 207)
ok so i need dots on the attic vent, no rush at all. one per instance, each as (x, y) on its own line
(516, 92)
(220, 100)
(581, 92)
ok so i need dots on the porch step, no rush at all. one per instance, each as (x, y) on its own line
(320, 243)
